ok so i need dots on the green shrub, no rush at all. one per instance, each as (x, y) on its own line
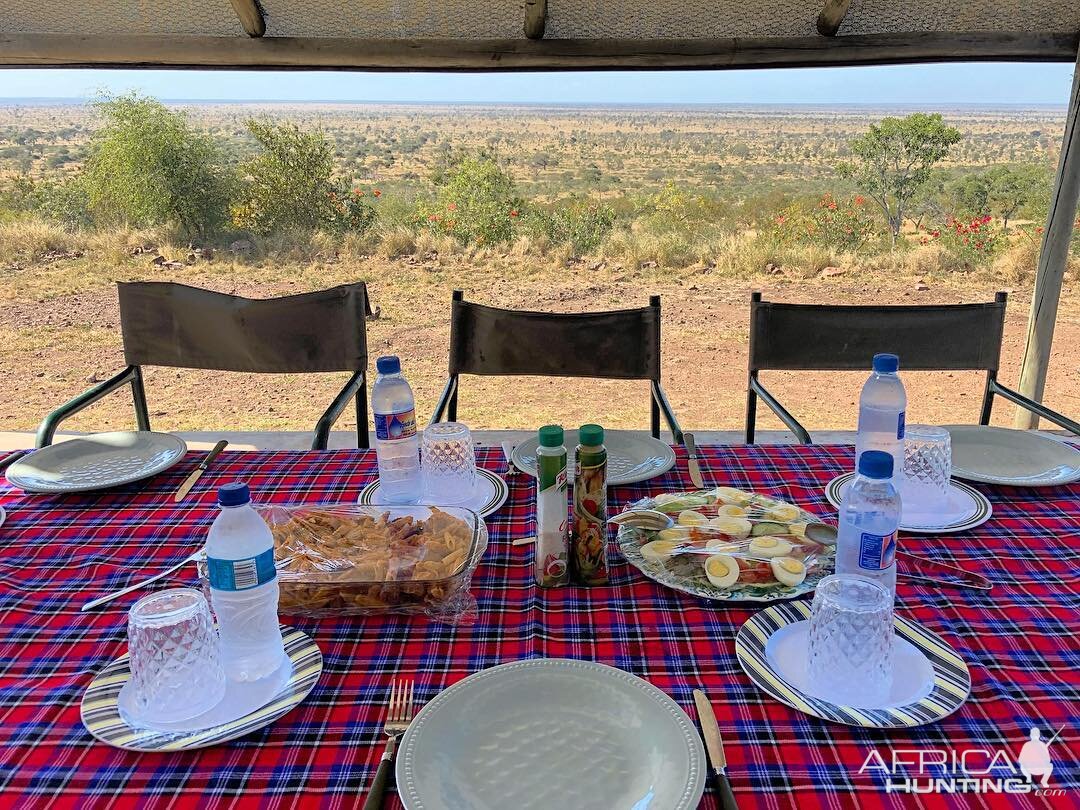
(148, 167)
(476, 202)
(288, 187)
(581, 224)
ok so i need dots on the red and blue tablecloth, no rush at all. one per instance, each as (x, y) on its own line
(1021, 641)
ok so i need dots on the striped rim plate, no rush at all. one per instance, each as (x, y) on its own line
(951, 685)
(491, 493)
(979, 512)
(101, 714)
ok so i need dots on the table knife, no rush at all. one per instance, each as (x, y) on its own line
(713, 744)
(196, 474)
(923, 569)
(692, 461)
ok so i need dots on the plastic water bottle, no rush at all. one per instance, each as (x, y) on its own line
(396, 443)
(881, 412)
(869, 518)
(244, 587)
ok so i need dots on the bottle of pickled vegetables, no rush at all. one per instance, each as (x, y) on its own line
(552, 543)
(588, 539)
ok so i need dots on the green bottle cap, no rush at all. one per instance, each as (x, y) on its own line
(551, 436)
(591, 435)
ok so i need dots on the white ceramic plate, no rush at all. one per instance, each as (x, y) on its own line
(934, 682)
(1018, 458)
(551, 734)
(631, 456)
(490, 493)
(97, 461)
(968, 508)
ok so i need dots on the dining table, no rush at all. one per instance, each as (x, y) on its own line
(1020, 640)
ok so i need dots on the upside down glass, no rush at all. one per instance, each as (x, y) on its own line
(176, 671)
(927, 468)
(448, 462)
(850, 649)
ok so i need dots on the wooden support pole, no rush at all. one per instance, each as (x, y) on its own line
(251, 17)
(535, 18)
(1052, 260)
(830, 18)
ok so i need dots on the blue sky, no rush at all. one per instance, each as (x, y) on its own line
(949, 84)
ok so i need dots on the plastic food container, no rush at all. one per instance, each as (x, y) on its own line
(352, 559)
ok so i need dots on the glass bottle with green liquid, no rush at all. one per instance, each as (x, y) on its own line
(552, 542)
(588, 539)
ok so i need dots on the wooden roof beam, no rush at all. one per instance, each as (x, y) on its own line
(251, 17)
(830, 18)
(535, 18)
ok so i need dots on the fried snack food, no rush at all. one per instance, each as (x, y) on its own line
(347, 560)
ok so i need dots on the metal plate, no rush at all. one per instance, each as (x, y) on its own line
(97, 461)
(1018, 458)
(551, 733)
(631, 456)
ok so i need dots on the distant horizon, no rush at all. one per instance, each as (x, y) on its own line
(981, 84)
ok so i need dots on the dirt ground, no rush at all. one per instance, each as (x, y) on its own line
(59, 326)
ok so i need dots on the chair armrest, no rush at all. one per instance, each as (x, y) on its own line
(47, 429)
(444, 400)
(782, 412)
(1036, 408)
(665, 408)
(331, 414)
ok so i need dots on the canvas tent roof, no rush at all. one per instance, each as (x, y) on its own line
(491, 34)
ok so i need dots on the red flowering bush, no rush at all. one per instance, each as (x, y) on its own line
(838, 225)
(971, 242)
(476, 203)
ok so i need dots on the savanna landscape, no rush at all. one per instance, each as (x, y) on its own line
(551, 208)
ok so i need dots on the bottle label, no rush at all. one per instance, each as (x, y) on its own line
(588, 555)
(552, 541)
(900, 425)
(394, 426)
(877, 551)
(240, 575)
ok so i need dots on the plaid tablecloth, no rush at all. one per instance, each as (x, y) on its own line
(1020, 642)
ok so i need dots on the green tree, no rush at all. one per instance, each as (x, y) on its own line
(1015, 188)
(147, 166)
(476, 202)
(895, 159)
(289, 185)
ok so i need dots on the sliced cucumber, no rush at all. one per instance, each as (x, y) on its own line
(768, 527)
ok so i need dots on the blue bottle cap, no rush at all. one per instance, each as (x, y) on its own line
(886, 363)
(876, 464)
(388, 364)
(234, 494)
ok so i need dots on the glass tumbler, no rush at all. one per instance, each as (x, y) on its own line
(176, 672)
(850, 650)
(448, 462)
(927, 468)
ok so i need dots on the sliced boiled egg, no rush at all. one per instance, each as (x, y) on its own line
(769, 546)
(675, 534)
(689, 517)
(782, 512)
(731, 526)
(798, 529)
(731, 495)
(722, 570)
(663, 498)
(731, 510)
(658, 550)
(788, 571)
(722, 544)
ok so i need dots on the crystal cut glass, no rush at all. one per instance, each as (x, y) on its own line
(927, 468)
(448, 461)
(850, 648)
(176, 671)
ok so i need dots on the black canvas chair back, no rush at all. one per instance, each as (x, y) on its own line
(805, 337)
(620, 345)
(168, 324)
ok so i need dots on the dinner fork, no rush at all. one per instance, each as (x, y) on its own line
(398, 716)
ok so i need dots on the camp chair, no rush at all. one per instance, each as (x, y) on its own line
(821, 337)
(619, 345)
(166, 324)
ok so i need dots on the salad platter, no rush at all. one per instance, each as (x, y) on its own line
(727, 544)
